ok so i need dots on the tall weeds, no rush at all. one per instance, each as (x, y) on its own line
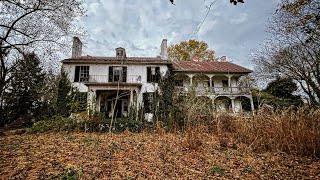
(291, 131)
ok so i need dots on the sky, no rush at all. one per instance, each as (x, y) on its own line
(140, 25)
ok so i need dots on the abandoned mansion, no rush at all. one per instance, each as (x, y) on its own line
(113, 84)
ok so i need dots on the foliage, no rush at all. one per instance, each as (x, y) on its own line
(134, 122)
(64, 97)
(278, 94)
(215, 169)
(294, 49)
(164, 99)
(281, 87)
(71, 174)
(23, 98)
(56, 123)
(39, 26)
(190, 50)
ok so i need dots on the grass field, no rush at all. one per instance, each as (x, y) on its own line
(143, 156)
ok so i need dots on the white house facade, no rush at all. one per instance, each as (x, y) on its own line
(134, 79)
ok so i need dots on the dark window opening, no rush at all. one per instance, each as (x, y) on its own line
(117, 73)
(225, 83)
(153, 74)
(148, 102)
(81, 74)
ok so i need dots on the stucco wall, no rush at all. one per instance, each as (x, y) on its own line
(102, 73)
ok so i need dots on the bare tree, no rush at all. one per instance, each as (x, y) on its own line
(39, 26)
(294, 50)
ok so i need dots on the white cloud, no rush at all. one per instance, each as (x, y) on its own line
(139, 26)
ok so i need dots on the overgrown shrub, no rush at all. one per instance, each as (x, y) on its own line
(56, 123)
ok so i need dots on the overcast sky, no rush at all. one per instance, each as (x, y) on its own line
(140, 25)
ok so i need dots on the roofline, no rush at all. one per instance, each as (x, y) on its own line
(69, 61)
(220, 72)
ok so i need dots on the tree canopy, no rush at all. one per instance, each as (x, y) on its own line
(23, 97)
(191, 50)
(40, 26)
(294, 48)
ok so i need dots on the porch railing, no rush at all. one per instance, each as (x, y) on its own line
(214, 90)
(105, 79)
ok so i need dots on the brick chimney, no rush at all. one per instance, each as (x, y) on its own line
(164, 50)
(76, 47)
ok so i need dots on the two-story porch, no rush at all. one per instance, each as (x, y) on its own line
(217, 81)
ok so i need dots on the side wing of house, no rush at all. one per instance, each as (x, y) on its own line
(216, 81)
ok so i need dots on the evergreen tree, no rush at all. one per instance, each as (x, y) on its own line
(24, 96)
(64, 98)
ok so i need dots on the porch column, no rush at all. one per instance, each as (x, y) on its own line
(210, 82)
(232, 105)
(229, 81)
(190, 77)
(213, 105)
(131, 97)
(91, 99)
(137, 100)
(252, 106)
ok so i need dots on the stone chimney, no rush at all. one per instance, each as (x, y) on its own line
(120, 53)
(223, 59)
(164, 50)
(76, 47)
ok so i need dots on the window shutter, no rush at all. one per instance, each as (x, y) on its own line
(124, 74)
(110, 73)
(158, 76)
(148, 74)
(76, 74)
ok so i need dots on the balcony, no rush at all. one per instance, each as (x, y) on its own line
(105, 79)
(214, 90)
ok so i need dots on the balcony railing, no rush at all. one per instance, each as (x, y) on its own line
(214, 90)
(105, 79)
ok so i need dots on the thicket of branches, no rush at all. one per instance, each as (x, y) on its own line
(294, 48)
(40, 26)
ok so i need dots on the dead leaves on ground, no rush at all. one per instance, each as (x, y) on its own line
(140, 156)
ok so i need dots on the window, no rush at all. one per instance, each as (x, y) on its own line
(81, 74)
(117, 73)
(148, 102)
(153, 74)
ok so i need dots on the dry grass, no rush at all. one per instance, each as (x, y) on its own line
(289, 131)
(276, 145)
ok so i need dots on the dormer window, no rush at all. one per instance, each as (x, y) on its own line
(120, 53)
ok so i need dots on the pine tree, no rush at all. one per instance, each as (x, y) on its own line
(64, 98)
(24, 96)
